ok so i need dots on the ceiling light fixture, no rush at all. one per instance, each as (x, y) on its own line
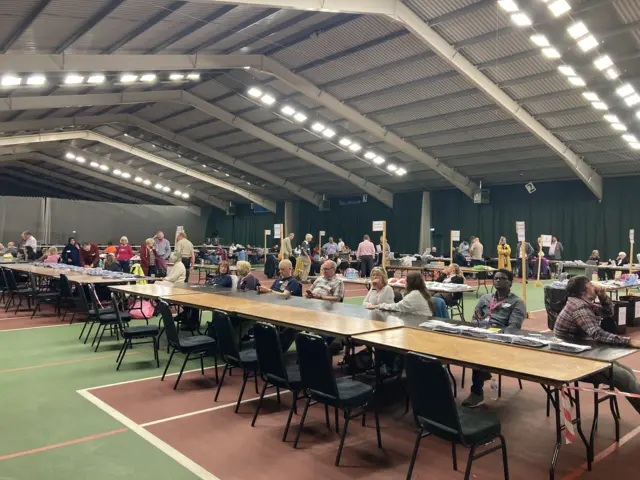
(36, 80)
(521, 19)
(117, 172)
(625, 90)
(148, 77)
(329, 133)
(391, 167)
(611, 118)
(94, 79)
(146, 182)
(603, 62)
(632, 100)
(629, 138)
(588, 43)
(80, 160)
(104, 168)
(73, 79)
(177, 193)
(194, 76)
(317, 127)
(70, 156)
(287, 110)
(11, 81)
(567, 70)
(166, 189)
(370, 155)
(138, 179)
(268, 99)
(126, 175)
(379, 160)
(592, 97)
(612, 73)
(185, 195)
(255, 92)
(158, 186)
(94, 164)
(559, 7)
(401, 171)
(619, 126)
(540, 40)
(577, 30)
(345, 142)
(508, 5)
(176, 77)
(600, 106)
(355, 147)
(128, 78)
(635, 145)
(551, 52)
(300, 117)
(577, 81)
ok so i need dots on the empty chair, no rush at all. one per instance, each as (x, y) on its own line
(198, 345)
(273, 369)
(138, 332)
(39, 297)
(90, 307)
(318, 378)
(436, 413)
(67, 301)
(15, 290)
(105, 318)
(246, 359)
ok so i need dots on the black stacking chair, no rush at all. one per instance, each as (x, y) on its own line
(138, 332)
(436, 413)
(89, 306)
(246, 359)
(318, 378)
(198, 345)
(39, 297)
(15, 290)
(67, 301)
(4, 290)
(105, 318)
(273, 369)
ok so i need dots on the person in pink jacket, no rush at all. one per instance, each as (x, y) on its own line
(124, 254)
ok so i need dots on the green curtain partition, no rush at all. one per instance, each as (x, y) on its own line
(567, 210)
(245, 227)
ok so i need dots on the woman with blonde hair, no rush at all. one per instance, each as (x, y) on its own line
(124, 254)
(380, 291)
(451, 274)
(246, 280)
(178, 273)
(417, 299)
(504, 254)
(111, 264)
(51, 256)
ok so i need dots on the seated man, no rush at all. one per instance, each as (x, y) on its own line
(503, 310)
(580, 319)
(329, 286)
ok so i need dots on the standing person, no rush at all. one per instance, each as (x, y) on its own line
(365, 253)
(124, 254)
(502, 309)
(287, 249)
(555, 250)
(380, 291)
(330, 249)
(387, 248)
(187, 254)
(89, 255)
(340, 245)
(580, 319)
(71, 253)
(149, 257)
(417, 299)
(504, 254)
(305, 256)
(110, 248)
(528, 251)
(163, 253)
(475, 251)
(29, 241)
(328, 286)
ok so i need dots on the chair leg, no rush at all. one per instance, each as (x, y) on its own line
(168, 363)
(464, 372)
(499, 386)
(215, 366)
(344, 434)
(337, 417)
(304, 415)
(453, 381)
(224, 372)
(126, 344)
(454, 456)
(291, 410)
(255, 415)
(245, 378)
(467, 472)
(326, 415)
(520, 383)
(202, 363)
(504, 458)
(184, 364)
(255, 380)
(121, 350)
(93, 322)
(378, 434)
(278, 395)
(100, 339)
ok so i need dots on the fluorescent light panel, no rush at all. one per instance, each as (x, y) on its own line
(148, 77)
(370, 155)
(600, 106)
(619, 126)
(577, 30)
(317, 127)
(559, 8)
(592, 97)
(540, 40)
(612, 73)
(345, 142)
(73, 79)
(268, 99)
(300, 117)
(611, 118)
(176, 77)
(287, 110)
(577, 81)
(625, 90)
(255, 92)
(329, 133)
(521, 19)
(632, 100)
(551, 52)
(508, 5)
(588, 43)
(36, 80)
(95, 79)
(567, 70)
(379, 160)
(603, 62)
(10, 81)
(128, 78)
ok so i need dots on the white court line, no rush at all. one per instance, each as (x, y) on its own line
(164, 447)
(148, 378)
(212, 409)
(35, 328)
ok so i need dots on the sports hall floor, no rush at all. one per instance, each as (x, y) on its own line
(67, 414)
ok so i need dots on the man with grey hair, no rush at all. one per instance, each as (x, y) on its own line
(328, 286)
(287, 285)
(29, 241)
(163, 249)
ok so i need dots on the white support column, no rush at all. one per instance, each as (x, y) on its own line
(289, 222)
(425, 222)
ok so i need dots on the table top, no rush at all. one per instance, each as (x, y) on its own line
(546, 367)
(73, 276)
(155, 290)
(283, 312)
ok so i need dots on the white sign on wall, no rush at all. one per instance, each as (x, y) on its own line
(520, 231)
(546, 240)
(455, 235)
(276, 230)
(378, 226)
(322, 233)
(632, 236)
(267, 232)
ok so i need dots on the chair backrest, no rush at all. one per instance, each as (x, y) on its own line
(432, 397)
(316, 368)
(10, 279)
(84, 300)
(3, 282)
(397, 296)
(169, 325)
(65, 286)
(270, 356)
(116, 308)
(227, 344)
(93, 299)
(32, 283)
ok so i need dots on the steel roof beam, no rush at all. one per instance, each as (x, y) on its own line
(24, 25)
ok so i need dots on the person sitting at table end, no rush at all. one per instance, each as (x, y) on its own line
(502, 309)
(451, 274)
(178, 273)
(223, 277)
(416, 300)
(111, 264)
(287, 285)
(328, 286)
(246, 280)
(380, 291)
(580, 319)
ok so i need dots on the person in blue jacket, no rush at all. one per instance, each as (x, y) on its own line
(71, 253)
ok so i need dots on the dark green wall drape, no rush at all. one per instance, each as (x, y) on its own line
(567, 210)
(245, 227)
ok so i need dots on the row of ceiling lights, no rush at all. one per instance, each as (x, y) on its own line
(125, 175)
(586, 42)
(321, 129)
(35, 80)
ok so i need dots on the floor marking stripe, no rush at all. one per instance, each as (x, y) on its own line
(33, 328)
(147, 378)
(62, 444)
(206, 410)
(182, 459)
(603, 454)
(67, 362)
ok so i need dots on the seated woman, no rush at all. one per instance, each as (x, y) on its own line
(178, 273)
(451, 274)
(246, 280)
(111, 264)
(51, 256)
(380, 292)
(223, 278)
(417, 300)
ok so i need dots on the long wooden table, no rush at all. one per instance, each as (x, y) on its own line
(73, 276)
(156, 290)
(552, 370)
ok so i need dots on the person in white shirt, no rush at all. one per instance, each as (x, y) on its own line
(340, 245)
(476, 250)
(178, 273)
(417, 299)
(380, 292)
(29, 241)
